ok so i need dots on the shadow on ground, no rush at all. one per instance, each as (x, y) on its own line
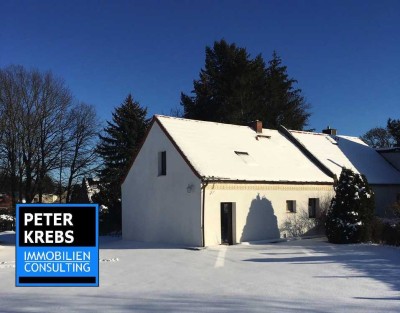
(182, 302)
(381, 263)
(7, 238)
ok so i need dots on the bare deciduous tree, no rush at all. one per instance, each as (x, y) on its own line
(80, 157)
(41, 131)
(378, 137)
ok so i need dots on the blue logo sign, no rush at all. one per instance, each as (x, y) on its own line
(57, 245)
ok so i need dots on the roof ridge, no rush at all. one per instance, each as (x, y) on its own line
(307, 132)
(201, 121)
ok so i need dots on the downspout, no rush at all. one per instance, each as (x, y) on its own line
(204, 184)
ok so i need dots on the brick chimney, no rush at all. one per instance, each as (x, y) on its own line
(330, 131)
(256, 126)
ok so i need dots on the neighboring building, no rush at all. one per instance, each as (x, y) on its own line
(46, 198)
(392, 155)
(335, 152)
(203, 183)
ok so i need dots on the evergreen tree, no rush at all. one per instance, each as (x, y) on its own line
(393, 127)
(121, 139)
(234, 88)
(120, 142)
(229, 87)
(351, 210)
(284, 104)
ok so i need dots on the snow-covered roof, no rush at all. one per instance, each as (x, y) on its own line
(231, 152)
(336, 152)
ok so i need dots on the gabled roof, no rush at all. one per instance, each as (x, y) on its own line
(231, 152)
(336, 152)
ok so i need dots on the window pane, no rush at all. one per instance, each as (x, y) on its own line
(291, 206)
(162, 163)
(312, 207)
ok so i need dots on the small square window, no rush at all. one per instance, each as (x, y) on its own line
(312, 207)
(291, 206)
(162, 163)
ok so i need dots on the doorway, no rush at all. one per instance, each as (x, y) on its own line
(226, 223)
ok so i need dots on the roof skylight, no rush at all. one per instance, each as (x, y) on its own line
(246, 158)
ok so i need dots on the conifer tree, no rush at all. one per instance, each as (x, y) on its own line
(121, 139)
(393, 127)
(118, 145)
(229, 86)
(284, 103)
(235, 88)
(351, 210)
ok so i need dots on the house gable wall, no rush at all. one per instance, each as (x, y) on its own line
(159, 208)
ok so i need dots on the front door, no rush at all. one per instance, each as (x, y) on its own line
(226, 223)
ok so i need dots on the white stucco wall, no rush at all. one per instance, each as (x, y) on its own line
(159, 208)
(259, 209)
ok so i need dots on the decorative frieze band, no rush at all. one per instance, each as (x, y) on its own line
(283, 187)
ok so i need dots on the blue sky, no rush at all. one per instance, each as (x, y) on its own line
(344, 54)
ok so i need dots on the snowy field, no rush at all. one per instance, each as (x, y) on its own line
(298, 276)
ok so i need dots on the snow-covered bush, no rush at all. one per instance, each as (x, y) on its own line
(322, 212)
(7, 221)
(352, 209)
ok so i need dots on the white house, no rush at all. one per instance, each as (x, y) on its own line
(203, 183)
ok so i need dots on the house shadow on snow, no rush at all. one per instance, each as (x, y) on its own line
(261, 222)
(362, 261)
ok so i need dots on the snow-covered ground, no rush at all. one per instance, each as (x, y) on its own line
(298, 276)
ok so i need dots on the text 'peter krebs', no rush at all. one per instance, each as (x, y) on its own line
(48, 220)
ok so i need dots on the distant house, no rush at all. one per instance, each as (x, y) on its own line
(46, 198)
(203, 183)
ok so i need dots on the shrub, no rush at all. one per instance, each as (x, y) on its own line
(7, 220)
(396, 209)
(320, 219)
(386, 231)
(352, 209)
(376, 230)
(297, 224)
